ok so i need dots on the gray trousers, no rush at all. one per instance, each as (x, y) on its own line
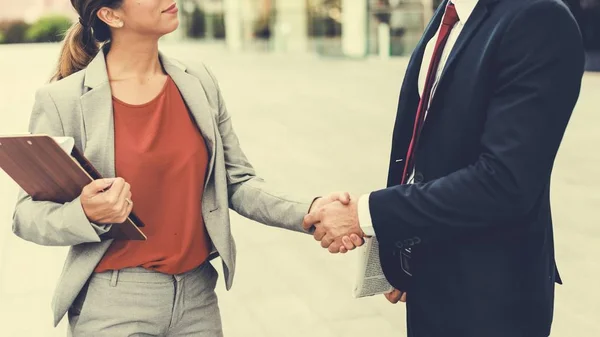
(138, 302)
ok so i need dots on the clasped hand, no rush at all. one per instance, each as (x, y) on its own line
(336, 226)
(335, 222)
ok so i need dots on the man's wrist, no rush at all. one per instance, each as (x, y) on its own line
(364, 216)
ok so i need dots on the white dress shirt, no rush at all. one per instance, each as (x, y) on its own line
(464, 8)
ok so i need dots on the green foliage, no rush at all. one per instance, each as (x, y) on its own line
(14, 31)
(48, 29)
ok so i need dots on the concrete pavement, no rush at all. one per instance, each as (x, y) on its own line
(309, 126)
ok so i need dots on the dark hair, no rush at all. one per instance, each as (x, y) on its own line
(85, 37)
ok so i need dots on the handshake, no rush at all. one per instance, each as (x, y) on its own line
(335, 222)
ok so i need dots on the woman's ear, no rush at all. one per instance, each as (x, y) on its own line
(111, 17)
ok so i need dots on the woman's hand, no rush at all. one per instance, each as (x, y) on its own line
(107, 201)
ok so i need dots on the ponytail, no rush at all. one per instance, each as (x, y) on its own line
(78, 50)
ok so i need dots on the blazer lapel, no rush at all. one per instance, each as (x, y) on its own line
(196, 100)
(97, 111)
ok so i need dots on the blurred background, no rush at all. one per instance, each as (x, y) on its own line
(312, 86)
(351, 28)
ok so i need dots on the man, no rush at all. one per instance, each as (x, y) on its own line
(464, 225)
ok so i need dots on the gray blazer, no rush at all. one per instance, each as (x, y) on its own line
(80, 106)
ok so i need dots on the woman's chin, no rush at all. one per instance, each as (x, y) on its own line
(170, 28)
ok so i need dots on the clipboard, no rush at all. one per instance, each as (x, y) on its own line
(47, 173)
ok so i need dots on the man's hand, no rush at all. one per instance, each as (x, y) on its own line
(333, 222)
(396, 296)
(351, 242)
(343, 197)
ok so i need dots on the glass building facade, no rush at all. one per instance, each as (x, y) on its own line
(354, 28)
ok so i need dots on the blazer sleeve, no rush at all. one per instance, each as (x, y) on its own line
(540, 61)
(48, 223)
(250, 195)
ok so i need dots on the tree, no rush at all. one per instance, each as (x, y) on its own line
(48, 29)
(15, 32)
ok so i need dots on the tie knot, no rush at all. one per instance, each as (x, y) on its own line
(450, 17)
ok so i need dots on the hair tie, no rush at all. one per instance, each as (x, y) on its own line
(83, 24)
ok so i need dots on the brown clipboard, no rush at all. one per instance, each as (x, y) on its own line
(47, 173)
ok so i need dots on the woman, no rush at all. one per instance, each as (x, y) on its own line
(164, 131)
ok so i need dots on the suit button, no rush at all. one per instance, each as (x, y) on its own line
(419, 177)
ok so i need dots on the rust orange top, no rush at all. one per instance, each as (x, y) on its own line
(160, 152)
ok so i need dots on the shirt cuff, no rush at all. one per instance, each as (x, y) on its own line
(364, 215)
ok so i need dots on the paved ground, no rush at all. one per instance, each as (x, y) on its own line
(310, 126)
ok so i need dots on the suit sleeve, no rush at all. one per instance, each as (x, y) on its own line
(48, 223)
(250, 195)
(540, 64)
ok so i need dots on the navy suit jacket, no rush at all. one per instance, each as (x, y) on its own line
(477, 219)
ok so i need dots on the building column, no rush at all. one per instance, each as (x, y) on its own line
(428, 11)
(291, 28)
(354, 27)
(233, 24)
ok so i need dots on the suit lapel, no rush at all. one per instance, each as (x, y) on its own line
(480, 13)
(409, 94)
(414, 66)
(97, 111)
(196, 100)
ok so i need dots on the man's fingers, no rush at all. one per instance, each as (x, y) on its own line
(326, 241)
(403, 298)
(394, 296)
(356, 240)
(347, 243)
(352, 241)
(334, 248)
(344, 198)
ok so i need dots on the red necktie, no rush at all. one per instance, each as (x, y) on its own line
(450, 19)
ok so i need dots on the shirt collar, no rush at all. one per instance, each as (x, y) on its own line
(464, 8)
